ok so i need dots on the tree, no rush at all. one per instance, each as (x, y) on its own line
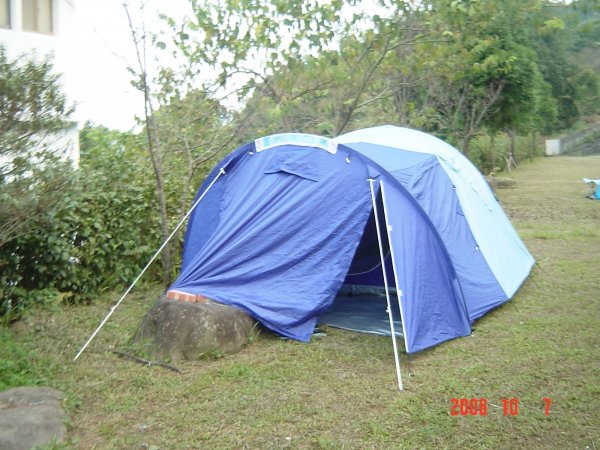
(483, 70)
(341, 85)
(33, 172)
(142, 82)
(194, 130)
(557, 71)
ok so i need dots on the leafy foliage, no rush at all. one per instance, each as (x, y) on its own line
(194, 133)
(33, 106)
(97, 238)
(32, 172)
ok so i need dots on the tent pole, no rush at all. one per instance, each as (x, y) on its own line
(398, 290)
(115, 306)
(385, 283)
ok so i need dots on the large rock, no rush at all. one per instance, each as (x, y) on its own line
(500, 182)
(31, 417)
(176, 330)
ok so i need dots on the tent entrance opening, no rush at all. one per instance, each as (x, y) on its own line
(361, 305)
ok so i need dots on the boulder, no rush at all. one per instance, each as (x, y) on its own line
(31, 417)
(176, 329)
(500, 182)
(505, 183)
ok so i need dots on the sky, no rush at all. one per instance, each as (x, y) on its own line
(103, 50)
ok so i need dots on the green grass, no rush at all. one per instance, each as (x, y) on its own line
(339, 391)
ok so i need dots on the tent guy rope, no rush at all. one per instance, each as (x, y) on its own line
(116, 305)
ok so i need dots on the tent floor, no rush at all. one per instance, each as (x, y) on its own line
(362, 313)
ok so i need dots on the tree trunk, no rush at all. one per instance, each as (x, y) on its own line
(466, 144)
(155, 157)
(493, 151)
(533, 146)
(511, 160)
(153, 142)
(185, 193)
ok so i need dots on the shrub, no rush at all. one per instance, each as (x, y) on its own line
(97, 238)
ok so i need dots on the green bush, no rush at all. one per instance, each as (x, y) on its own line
(98, 237)
(488, 156)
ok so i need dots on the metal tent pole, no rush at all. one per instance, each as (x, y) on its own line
(385, 283)
(116, 305)
(398, 290)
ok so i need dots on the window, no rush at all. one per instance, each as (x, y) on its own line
(37, 16)
(4, 13)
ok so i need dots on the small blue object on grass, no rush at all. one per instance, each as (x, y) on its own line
(595, 185)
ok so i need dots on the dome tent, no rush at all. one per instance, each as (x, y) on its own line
(285, 218)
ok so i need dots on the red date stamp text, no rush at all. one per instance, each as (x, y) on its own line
(479, 406)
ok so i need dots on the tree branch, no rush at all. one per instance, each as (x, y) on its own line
(146, 361)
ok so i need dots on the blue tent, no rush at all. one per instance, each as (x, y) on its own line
(288, 219)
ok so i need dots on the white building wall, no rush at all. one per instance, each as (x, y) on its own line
(552, 147)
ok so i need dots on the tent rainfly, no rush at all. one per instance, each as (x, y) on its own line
(288, 219)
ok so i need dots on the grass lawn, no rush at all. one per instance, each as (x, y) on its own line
(340, 391)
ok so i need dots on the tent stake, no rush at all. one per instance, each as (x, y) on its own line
(116, 305)
(398, 290)
(385, 283)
